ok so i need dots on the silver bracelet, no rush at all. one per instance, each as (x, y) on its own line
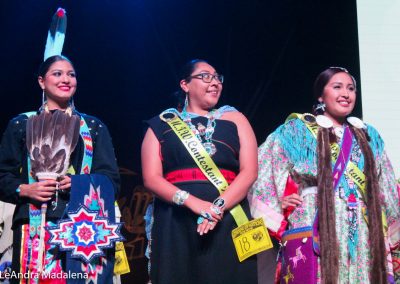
(180, 196)
(219, 202)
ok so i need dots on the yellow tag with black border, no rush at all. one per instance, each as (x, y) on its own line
(251, 238)
(121, 261)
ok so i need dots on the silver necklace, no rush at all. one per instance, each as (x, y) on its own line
(203, 133)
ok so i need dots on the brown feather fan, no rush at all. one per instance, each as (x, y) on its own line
(51, 137)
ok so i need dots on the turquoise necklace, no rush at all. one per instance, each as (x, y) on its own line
(203, 133)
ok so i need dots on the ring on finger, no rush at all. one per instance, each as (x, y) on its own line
(206, 215)
(216, 210)
(200, 220)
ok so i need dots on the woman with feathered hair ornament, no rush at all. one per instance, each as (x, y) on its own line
(327, 191)
(50, 161)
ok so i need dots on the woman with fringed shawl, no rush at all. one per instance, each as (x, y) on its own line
(326, 183)
(58, 81)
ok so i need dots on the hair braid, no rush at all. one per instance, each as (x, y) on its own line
(326, 211)
(374, 209)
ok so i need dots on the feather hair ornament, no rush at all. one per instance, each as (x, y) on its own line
(56, 34)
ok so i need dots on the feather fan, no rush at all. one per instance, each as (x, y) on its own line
(51, 137)
(56, 34)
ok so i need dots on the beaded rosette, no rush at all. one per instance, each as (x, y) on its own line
(85, 234)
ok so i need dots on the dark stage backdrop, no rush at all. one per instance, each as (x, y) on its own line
(128, 53)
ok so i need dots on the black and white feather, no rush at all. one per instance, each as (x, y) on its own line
(56, 34)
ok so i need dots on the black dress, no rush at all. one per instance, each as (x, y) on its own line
(178, 253)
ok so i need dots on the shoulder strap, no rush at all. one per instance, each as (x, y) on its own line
(88, 144)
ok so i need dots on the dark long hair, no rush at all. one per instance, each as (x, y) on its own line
(374, 209)
(184, 74)
(44, 67)
(326, 211)
(326, 199)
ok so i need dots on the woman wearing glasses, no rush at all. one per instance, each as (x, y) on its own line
(327, 190)
(191, 235)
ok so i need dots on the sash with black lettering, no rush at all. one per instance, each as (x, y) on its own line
(251, 237)
(351, 170)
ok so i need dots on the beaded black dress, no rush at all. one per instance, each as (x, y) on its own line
(178, 253)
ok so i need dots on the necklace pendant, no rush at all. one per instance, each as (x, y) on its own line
(210, 148)
(339, 131)
(352, 201)
(201, 128)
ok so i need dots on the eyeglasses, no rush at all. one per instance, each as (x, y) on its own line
(207, 77)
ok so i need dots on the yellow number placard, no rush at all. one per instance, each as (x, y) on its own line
(251, 238)
(121, 261)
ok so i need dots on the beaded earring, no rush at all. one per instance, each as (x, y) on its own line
(71, 103)
(43, 98)
(44, 106)
(186, 101)
(320, 107)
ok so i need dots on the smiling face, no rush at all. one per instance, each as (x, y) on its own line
(339, 96)
(202, 96)
(59, 84)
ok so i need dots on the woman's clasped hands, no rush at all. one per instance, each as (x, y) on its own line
(209, 215)
(43, 191)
